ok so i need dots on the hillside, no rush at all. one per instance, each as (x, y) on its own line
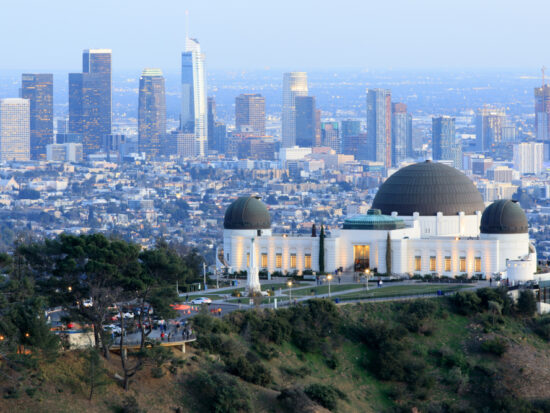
(472, 352)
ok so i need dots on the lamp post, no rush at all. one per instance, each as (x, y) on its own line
(289, 283)
(367, 273)
(329, 278)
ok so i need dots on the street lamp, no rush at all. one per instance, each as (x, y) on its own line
(367, 273)
(329, 278)
(289, 283)
(70, 288)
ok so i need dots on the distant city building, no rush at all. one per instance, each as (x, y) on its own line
(152, 113)
(90, 100)
(330, 136)
(379, 125)
(294, 84)
(489, 124)
(307, 128)
(480, 165)
(355, 145)
(220, 136)
(62, 126)
(350, 128)
(15, 134)
(250, 113)
(211, 118)
(193, 95)
(64, 152)
(542, 112)
(69, 138)
(445, 144)
(501, 174)
(181, 144)
(401, 129)
(257, 148)
(528, 157)
(38, 89)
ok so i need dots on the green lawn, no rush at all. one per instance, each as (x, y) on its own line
(401, 290)
(323, 289)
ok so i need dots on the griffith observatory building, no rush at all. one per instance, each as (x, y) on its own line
(430, 215)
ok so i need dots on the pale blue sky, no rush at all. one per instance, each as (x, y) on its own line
(287, 34)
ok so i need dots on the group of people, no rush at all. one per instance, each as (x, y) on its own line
(174, 334)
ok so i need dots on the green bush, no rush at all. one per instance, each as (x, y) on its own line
(527, 305)
(466, 302)
(157, 372)
(495, 346)
(219, 393)
(326, 395)
(249, 368)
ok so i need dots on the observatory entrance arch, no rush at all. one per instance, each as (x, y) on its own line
(361, 256)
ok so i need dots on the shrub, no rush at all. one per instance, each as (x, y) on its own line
(295, 400)
(300, 372)
(466, 302)
(249, 368)
(219, 393)
(326, 395)
(495, 346)
(157, 372)
(527, 305)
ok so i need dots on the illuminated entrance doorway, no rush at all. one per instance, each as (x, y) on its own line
(361, 255)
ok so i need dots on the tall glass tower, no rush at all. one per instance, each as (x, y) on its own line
(90, 101)
(379, 125)
(294, 84)
(15, 133)
(38, 89)
(445, 145)
(193, 95)
(152, 113)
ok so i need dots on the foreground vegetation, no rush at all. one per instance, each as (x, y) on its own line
(468, 352)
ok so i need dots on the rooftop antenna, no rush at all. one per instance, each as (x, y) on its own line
(187, 24)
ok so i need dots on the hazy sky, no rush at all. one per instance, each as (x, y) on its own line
(287, 34)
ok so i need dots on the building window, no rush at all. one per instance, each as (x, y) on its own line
(308, 261)
(418, 263)
(264, 260)
(279, 260)
(248, 259)
(462, 264)
(292, 260)
(447, 264)
(477, 264)
(432, 263)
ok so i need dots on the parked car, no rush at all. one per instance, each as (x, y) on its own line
(112, 327)
(201, 300)
(264, 293)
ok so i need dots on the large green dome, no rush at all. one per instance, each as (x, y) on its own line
(504, 217)
(247, 213)
(428, 188)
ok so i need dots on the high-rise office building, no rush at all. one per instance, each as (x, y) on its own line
(294, 84)
(211, 118)
(306, 122)
(489, 124)
(152, 113)
(330, 136)
(379, 125)
(193, 95)
(15, 133)
(401, 130)
(90, 101)
(542, 112)
(38, 89)
(445, 145)
(528, 157)
(250, 113)
(350, 128)
(220, 135)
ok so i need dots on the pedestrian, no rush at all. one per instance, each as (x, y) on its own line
(169, 336)
(162, 336)
(490, 281)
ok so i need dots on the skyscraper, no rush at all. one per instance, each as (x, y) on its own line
(542, 112)
(90, 101)
(401, 130)
(350, 128)
(250, 113)
(15, 134)
(294, 84)
(330, 136)
(38, 89)
(152, 113)
(445, 145)
(528, 157)
(306, 122)
(379, 125)
(193, 95)
(489, 124)
(211, 118)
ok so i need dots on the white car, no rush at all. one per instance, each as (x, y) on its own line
(128, 315)
(264, 293)
(114, 328)
(201, 300)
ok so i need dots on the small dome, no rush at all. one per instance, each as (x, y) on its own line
(428, 188)
(504, 217)
(247, 213)
(373, 220)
